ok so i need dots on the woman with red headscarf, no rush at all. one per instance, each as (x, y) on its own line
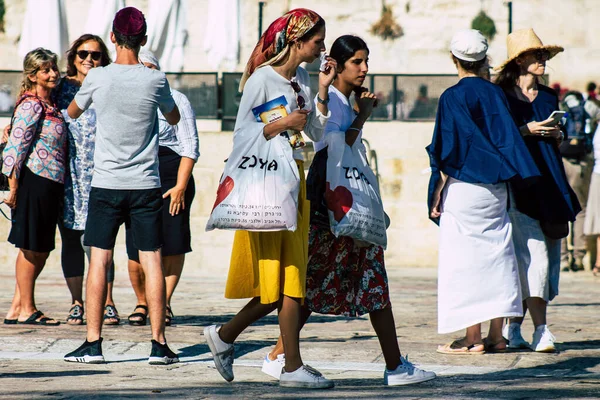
(270, 267)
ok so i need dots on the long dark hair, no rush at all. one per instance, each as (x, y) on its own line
(72, 52)
(509, 75)
(345, 47)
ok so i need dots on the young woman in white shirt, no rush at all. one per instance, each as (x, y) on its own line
(346, 277)
(270, 267)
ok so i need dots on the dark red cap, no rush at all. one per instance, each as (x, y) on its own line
(129, 21)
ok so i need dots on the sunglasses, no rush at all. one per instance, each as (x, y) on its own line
(541, 55)
(299, 99)
(83, 54)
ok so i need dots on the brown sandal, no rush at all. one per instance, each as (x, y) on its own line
(457, 348)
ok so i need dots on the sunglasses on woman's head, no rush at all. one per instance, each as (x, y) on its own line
(299, 99)
(83, 54)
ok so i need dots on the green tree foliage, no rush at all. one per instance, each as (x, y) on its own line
(485, 25)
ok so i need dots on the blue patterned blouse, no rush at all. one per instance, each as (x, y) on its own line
(81, 139)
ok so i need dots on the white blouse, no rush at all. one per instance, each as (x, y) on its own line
(266, 84)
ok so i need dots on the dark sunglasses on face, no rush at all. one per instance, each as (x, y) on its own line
(83, 54)
(541, 55)
(299, 99)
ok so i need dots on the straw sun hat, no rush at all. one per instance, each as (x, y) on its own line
(522, 41)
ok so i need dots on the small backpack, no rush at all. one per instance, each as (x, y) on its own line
(578, 142)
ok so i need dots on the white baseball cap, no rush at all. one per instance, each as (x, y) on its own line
(469, 45)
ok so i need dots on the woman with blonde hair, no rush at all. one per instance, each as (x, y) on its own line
(270, 267)
(34, 162)
(540, 212)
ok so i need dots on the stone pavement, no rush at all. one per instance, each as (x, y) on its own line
(345, 350)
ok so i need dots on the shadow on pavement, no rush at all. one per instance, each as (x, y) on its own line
(50, 374)
(580, 345)
(271, 319)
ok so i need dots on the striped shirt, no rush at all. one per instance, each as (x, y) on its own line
(183, 137)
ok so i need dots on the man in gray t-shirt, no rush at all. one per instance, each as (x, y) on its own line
(126, 182)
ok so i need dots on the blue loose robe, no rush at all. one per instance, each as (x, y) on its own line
(550, 198)
(475, 139)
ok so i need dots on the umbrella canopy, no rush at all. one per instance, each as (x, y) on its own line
(44, 25)
(222, 38)
(100, 18)
(167, 32)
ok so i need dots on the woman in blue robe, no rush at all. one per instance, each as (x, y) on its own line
(476, 149)
(540, 213)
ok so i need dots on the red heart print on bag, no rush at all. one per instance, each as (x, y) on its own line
(223, 191)
(339, 201)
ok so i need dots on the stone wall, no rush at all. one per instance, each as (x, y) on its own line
(428, 27)
(412, 238)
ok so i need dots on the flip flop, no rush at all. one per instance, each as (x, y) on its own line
(110, 312)
(10, 321)
(490, 347)
(455, 348)
(38, 318)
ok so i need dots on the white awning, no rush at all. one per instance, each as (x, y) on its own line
(100, 18)
(44, 25)
(167, 32)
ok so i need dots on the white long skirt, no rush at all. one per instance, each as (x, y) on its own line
(478, 277)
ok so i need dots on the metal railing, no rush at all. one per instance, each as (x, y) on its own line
(401, 97)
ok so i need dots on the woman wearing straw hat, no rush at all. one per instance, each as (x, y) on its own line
(270, 267)
(539, 212)
(476, 148)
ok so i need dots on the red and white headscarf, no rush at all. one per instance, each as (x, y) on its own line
(274, 44)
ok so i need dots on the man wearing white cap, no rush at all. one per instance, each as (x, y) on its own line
(476, 148)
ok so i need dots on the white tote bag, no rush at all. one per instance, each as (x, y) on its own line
(352, 193)
(259, 188)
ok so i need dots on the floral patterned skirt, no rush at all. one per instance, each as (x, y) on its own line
(344, 279)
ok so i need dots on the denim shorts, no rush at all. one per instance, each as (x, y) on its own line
(139, 209)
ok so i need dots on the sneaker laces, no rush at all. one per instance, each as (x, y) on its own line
(312, 371)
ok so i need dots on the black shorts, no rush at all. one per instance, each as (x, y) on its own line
(35, 216)
(176, 232)
(139, 209)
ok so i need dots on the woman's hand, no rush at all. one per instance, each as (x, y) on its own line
(544, 129)
(297, 120)
(177, 199)
(11, 199)
(326, 78)
(365, 101)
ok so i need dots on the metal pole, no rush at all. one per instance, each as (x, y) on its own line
(261, 5)
(509, 17)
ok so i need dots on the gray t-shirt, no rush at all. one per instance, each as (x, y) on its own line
(126, 98)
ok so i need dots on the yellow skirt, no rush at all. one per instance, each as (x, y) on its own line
(266, 264)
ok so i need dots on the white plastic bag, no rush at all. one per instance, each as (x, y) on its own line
(259, 188)
(352, 193)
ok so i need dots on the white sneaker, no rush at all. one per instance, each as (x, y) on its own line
(273, 367)
(304, 377)
(512, 333)
(543, 340)
(222, 352)
(406, 374)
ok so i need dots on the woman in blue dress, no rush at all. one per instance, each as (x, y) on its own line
(87, 52)
(540, 213)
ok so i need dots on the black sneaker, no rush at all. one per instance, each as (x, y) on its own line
(88, 352)
(161, 354)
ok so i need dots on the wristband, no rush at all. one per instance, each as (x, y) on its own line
(324, 102)
(353, 129)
